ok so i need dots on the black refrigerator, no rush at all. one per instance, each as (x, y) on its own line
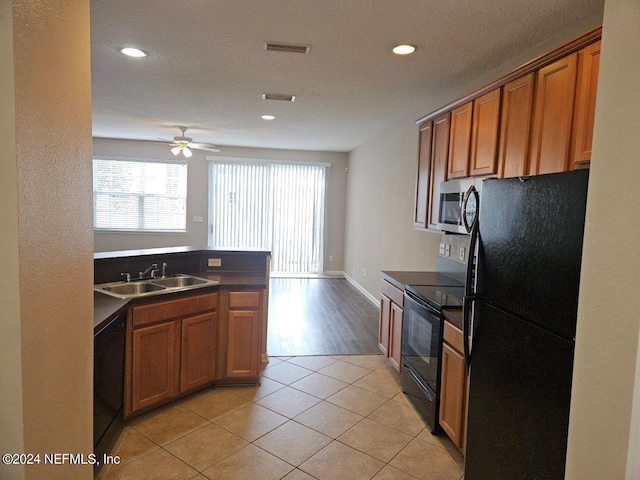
(524, 304)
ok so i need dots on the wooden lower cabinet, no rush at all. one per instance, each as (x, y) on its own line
(172, 349)
(384, 324)
(155, 364)
(244, 334)
(391, 322)
(395, 329)
(453, 387)
(198, 351)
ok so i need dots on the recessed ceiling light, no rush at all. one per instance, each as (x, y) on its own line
(267, 117)
(133, 52)
(404, 49)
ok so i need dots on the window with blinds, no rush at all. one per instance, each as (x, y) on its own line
(277, 207)
(139, 195)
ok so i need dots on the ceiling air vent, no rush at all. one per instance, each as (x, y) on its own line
(280, 47)
(278, 96)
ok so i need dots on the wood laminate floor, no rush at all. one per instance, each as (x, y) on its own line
(320, 316)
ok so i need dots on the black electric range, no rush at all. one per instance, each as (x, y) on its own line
(438, 296)
(422, 344)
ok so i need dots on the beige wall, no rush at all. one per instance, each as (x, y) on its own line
(12, 438)
(197, 196)
(380, 189)
(609, 308)
(51, 168)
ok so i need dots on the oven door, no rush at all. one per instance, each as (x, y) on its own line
(420, 377)
(421, 340)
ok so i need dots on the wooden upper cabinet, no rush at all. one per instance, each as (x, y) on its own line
(460, 141)
(438, 166)
(422, 180)
(484, 135)
(553, 116)
(515, 127)
(585, 106)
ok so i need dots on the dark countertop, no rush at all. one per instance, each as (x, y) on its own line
(453, 316)
(399, 279)
(106, 307)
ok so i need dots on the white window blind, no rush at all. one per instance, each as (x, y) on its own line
(139, 195)
(279, 207)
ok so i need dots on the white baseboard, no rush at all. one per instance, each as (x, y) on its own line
(361, 289)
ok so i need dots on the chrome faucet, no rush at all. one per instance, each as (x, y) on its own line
(127, 276)
(164, 270)
(153, 269)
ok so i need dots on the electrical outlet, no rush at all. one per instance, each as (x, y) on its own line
(462, 253)
(364, 272)
(215, 262)
(441, 249)
(331, 258)
(447, 249)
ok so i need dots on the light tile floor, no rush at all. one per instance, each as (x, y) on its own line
(322, 417)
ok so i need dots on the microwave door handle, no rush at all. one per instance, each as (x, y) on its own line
(469, 295)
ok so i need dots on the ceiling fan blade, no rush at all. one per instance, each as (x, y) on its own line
(206, 148)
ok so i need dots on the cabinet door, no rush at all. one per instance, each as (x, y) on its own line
(395, 342)
(553, 116)
(243, 348)
(515, 127)
(155, 364)
(460, 141)
(422, 179)
(484, 136)
(197, 365)
(438, 167)
(384, 324)
(585, 107)
(453, 395)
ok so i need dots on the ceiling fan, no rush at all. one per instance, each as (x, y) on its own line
(184, 144)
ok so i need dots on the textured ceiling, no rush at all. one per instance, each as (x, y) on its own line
(206, 67)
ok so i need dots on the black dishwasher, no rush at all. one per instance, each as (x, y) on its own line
(108, 375)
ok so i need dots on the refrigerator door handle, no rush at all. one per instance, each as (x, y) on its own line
(469, 294)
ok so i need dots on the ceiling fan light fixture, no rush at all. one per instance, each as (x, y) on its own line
(187, 152)
(404, 49)
(176, 150)
(133, 52)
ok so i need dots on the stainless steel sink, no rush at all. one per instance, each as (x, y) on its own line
(153, 286)
(133, 288)
(179, 281)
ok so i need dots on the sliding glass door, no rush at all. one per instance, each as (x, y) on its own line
(274, 206)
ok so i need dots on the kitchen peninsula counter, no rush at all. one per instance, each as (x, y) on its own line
(238, 269)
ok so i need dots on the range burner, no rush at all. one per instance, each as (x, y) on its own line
(436, 296)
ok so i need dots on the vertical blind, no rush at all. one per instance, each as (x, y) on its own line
(139, 195)
(279, 207)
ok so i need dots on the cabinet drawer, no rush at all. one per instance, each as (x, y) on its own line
(244, 299)
(154, 312)
(453, 336)
(395, 294)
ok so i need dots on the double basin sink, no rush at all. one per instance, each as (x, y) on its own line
(153, 286)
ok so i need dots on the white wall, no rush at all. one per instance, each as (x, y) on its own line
(197, 194)
(603, 441)
(380, 189)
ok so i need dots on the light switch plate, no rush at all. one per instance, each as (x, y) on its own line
(447, 249)
(463, 251)
(215, 262)
(442, 249)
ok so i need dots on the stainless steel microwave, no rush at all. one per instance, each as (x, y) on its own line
(456, 202)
